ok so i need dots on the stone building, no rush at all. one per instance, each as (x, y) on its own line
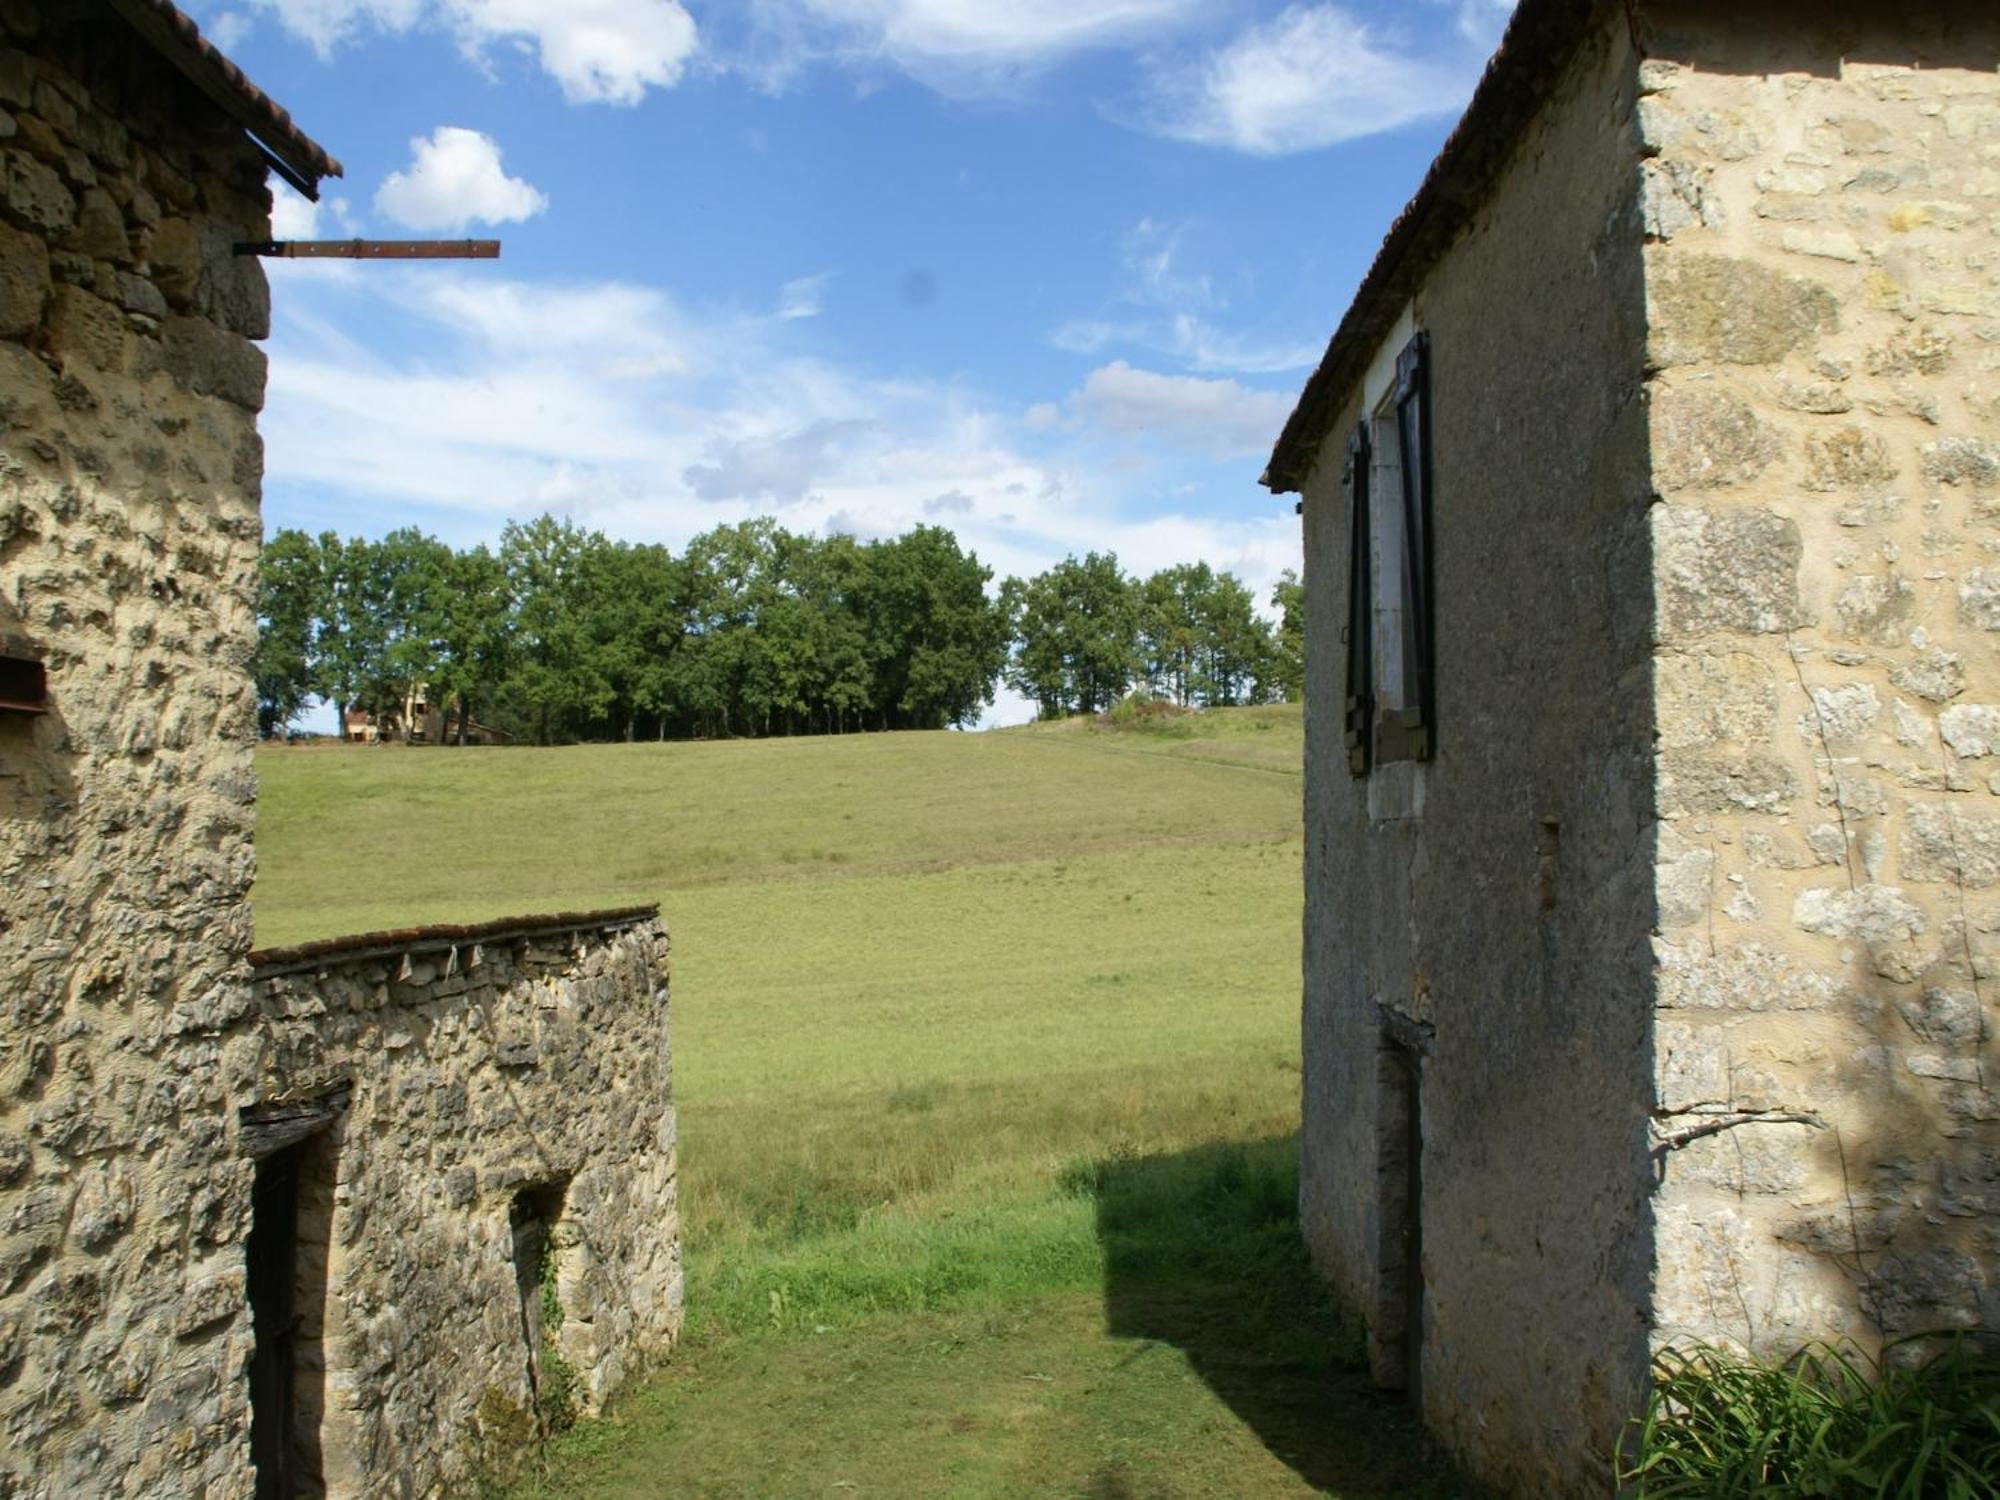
(322, 1222)
(1651, 493)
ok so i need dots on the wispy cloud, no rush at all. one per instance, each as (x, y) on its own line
(959, 47)
(1313, 76)
(804, 297)
(1222, 416)
(1169, 306)
(597, 51)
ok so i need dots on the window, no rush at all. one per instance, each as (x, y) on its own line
(1390, 693)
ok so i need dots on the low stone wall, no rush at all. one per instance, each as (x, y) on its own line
(478, 1132)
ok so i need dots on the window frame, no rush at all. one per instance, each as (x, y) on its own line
(1377, 735)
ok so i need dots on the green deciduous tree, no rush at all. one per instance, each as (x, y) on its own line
(1076, 635)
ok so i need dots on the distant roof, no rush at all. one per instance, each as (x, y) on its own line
(1538, 44)
(293, 154)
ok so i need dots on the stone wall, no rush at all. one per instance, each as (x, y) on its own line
(467, 1083)
(1495, 922)
(400, 1127)
(129, 473)
(1823, 205)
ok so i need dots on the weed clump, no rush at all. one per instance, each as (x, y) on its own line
(557, 1386)
(1144, 712)
(1828, 1423)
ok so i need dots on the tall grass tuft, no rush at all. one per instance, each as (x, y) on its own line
(1829, 1423)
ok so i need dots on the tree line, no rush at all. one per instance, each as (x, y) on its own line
(561, 634)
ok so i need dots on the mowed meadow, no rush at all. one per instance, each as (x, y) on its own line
(986, 1058)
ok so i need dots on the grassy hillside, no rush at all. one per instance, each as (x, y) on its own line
(986, 1056)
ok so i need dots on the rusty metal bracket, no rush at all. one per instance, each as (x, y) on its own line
(371, 249)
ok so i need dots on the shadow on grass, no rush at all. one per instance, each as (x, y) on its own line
(1202, 1252)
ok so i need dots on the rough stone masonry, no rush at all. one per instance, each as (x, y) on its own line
(1822, 208)
(1662, 1000)
(353, 1211)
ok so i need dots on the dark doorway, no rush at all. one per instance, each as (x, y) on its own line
(534, 1216)
(290, 1219)
(1399, 1308)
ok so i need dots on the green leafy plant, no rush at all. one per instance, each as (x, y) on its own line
(557, 1385)
(1921, 1423)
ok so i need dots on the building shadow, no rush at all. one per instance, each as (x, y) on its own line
(1202, 1252)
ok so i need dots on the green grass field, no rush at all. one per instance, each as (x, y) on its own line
(986, 1054)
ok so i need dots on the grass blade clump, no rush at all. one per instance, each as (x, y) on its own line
(1828, 1423)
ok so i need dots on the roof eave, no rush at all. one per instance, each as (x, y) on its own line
(1538, 42)
(293, 154)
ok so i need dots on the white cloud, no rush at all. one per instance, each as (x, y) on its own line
(957, 46)
(780, 469)
(598, 51)
(1312, 76)
(296, 217)
(1221, 416)
(803, 297)
(474, 399)
(455, 179)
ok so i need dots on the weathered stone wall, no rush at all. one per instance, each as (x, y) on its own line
(1823, 201)
(1507, 903)
(475, 1077)
(129, 473)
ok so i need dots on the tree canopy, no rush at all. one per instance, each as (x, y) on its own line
(561, 634)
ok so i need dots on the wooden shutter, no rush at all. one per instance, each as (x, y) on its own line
(1360, 608)
(1417, 727)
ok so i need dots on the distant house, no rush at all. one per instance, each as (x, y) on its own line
(358, 727)
(282, 1223)
(1651, 489)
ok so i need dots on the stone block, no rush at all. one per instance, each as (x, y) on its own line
(1872, 913)
(1693, 783)
(211, 361)
(1979, 598)
(24, 281)
(99, 230)
(1702, 699)
(1683, 885)
(210, 1301)
(1945, 843)
(86, 328)
(1945, 1018)
(1875, 607)
(1921, 350)
(1752, 977)
(1725, 571)
(1706, 438)
(1847, 458)
(35, 195)
(174, 257)
(1840, 715)
(1972, 462)
(1972, 730)
(1721, 310)
(1936, 675)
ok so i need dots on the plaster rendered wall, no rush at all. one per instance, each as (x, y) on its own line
(129, 474)
(1530, 963)
(1824, 276)
(479, 1072)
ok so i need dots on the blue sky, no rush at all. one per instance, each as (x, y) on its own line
(1049, 272)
